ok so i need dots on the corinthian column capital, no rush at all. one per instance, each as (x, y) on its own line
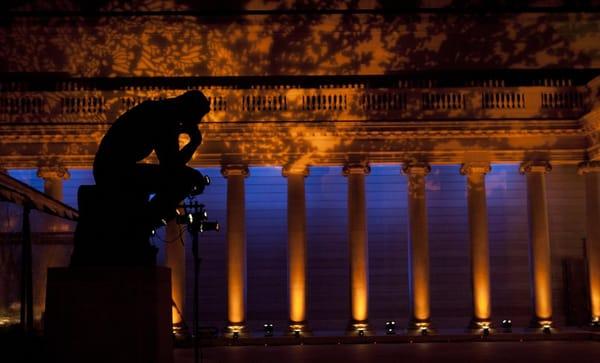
(589, 167)
(356, 168)
(535, 167)
(416, 168)
(471, 168)
(295, 169)
(55, 171)
(235, 169)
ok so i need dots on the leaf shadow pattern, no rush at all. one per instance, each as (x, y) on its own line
(291, 38)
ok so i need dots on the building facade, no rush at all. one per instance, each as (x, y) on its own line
(433, 166)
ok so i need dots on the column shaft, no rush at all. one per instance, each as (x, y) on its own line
(479, 243)
(236, 246)
(418, 246)
(49, 255)
(296, 218)
(357, 234)
(175, 260)
(539, 242)
(54, 177)
(591, 171)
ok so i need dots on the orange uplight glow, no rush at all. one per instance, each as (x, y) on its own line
(359, 267)
(297, 244)
(478, 225)
(541, 267)
(236, 245)
(419, 241)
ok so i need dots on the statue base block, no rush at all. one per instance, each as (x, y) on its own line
(109, 314)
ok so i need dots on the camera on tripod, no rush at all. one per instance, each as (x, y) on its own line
(196, 218)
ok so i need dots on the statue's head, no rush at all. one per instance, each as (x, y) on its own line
(191, 106)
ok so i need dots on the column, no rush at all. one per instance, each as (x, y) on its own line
(49, 255)
(296, 220)
(479, 244)
(418, 246)
(358, 246)
(175, 260)
(539, 241)
(591, 171)
(236, 247)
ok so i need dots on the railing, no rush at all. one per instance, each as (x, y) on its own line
(353, 102)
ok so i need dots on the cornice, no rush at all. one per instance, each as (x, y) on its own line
(354, 130)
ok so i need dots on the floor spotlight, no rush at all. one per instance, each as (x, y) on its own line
(546, 329)
(268, 329)
(390, 327)
(507, 325)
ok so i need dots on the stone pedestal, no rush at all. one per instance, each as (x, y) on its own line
(109, 314)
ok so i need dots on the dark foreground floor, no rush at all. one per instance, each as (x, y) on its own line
(467, 352)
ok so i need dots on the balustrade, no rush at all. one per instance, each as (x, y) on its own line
(353, 103)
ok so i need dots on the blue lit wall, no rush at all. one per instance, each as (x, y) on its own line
(326, 196)
(327, 229)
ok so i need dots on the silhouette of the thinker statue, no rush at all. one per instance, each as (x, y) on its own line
(131, 199)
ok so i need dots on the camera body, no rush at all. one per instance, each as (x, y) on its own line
(196, 218)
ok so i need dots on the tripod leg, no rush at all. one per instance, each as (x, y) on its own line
(196, 317)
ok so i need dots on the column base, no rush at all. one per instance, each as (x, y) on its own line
(595, 324)
(420, 327)
(236, 331)
(480, 326)
(181, 333)
(298, 329)
(359, 329)
(541, 326)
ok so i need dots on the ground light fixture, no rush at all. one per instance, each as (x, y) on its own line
(360, 329)
(546, 328)
(268, 329)
(422, 328)
(485, 328)
(390, 327)
(506, 325)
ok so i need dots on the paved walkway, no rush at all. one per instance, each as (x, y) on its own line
(467, 352)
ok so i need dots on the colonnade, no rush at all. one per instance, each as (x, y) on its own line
(418, 243)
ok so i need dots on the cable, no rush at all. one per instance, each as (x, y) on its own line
(179, 237)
